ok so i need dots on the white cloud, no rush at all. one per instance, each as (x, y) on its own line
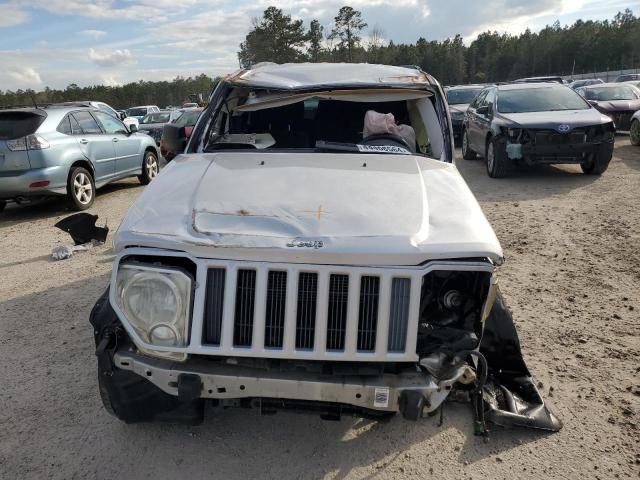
(27, 76)
(113, 58)
(95, 34)
(11, 15)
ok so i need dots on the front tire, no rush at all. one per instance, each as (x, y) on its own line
(599, 161)
(467, 153)
(497, 162)
(81, 189)
(634, 132)
(150, 168)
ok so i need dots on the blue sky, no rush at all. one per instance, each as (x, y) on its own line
(57, 42)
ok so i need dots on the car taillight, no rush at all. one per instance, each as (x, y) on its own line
(30, 142)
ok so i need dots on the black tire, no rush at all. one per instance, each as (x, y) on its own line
(634, 132)
(497, 161)
(467, 153)
(81, 188)
(150, 168)
(3, 204)
(599, 161)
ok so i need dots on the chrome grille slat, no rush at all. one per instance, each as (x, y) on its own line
(399, 314)
(275, 309)
(337, 311)
(368, 313)
(306, 310)
(244, 311)
(214, 305)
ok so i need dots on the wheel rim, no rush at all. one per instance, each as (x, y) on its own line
(151, 166)
(490, 158)
(82, 188)
(634, 133)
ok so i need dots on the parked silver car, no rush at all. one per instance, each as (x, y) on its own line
(71, 151)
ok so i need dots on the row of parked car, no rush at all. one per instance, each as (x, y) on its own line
(72, 148)
(542, 120)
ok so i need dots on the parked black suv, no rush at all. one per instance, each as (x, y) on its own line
(532, 123)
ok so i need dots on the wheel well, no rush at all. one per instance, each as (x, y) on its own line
(152, 150)
(84, 164)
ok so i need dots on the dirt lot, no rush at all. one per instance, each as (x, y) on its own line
(572, 278)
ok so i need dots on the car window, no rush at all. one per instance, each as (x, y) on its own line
(137, 112)
(478, 100)
(158, 117)
(65, 126)
(188, 119)
(110, 124)
(19, 124)
(75, 126)
(622, 92)
(87, 123)
(540, 99)
(462, 96)
(103, 107)
(489, 99)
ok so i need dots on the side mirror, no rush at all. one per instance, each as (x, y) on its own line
(483, 110)
(174, 138)
(133, 128)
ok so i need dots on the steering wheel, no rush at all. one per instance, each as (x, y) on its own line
(387, 139)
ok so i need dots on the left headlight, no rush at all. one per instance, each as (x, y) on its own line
(156, 302)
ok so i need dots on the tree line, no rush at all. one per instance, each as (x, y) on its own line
(162, 93)
(583, 47)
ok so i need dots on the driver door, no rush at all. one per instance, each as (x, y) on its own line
(126, 144)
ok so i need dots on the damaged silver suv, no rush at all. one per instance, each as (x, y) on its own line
(313, 249)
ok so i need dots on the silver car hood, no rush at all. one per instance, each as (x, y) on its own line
(311, 207)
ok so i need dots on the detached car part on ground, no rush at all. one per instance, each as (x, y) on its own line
(68, 151)
(536, 123)
(285, 262)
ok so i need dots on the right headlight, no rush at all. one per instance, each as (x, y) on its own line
(156, 302)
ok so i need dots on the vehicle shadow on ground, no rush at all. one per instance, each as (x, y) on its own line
(55, 206)
(629, 155)
(524, 183)
(48, 337)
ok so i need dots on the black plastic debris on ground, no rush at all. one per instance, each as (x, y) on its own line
(82, 228)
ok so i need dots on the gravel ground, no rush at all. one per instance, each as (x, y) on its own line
(572, 273)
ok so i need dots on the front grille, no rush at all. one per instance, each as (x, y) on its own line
(275, 309)
(337, 311)
(368, 313)
(306, 310)
(245, 300)
(554, 138)
(310, 312)
(399, 314)
(214, 305)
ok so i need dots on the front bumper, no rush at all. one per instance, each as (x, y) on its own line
(216, 380)
(16, 185)
(456, 125)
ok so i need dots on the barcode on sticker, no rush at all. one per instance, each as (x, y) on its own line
(381, 399)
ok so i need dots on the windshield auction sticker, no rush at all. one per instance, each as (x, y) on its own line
(383, 149)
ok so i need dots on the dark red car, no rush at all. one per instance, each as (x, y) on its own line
(185, 124)
(616, 100)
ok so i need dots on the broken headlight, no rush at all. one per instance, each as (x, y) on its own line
(156, 302)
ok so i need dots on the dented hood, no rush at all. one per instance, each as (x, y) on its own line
(319, 207)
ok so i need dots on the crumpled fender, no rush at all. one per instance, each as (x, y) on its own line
(509, 396)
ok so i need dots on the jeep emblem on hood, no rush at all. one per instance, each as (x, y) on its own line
(564, 128)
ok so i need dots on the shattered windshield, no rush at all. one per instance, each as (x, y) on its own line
(332, 121)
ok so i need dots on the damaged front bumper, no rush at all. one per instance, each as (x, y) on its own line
(493, 379)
